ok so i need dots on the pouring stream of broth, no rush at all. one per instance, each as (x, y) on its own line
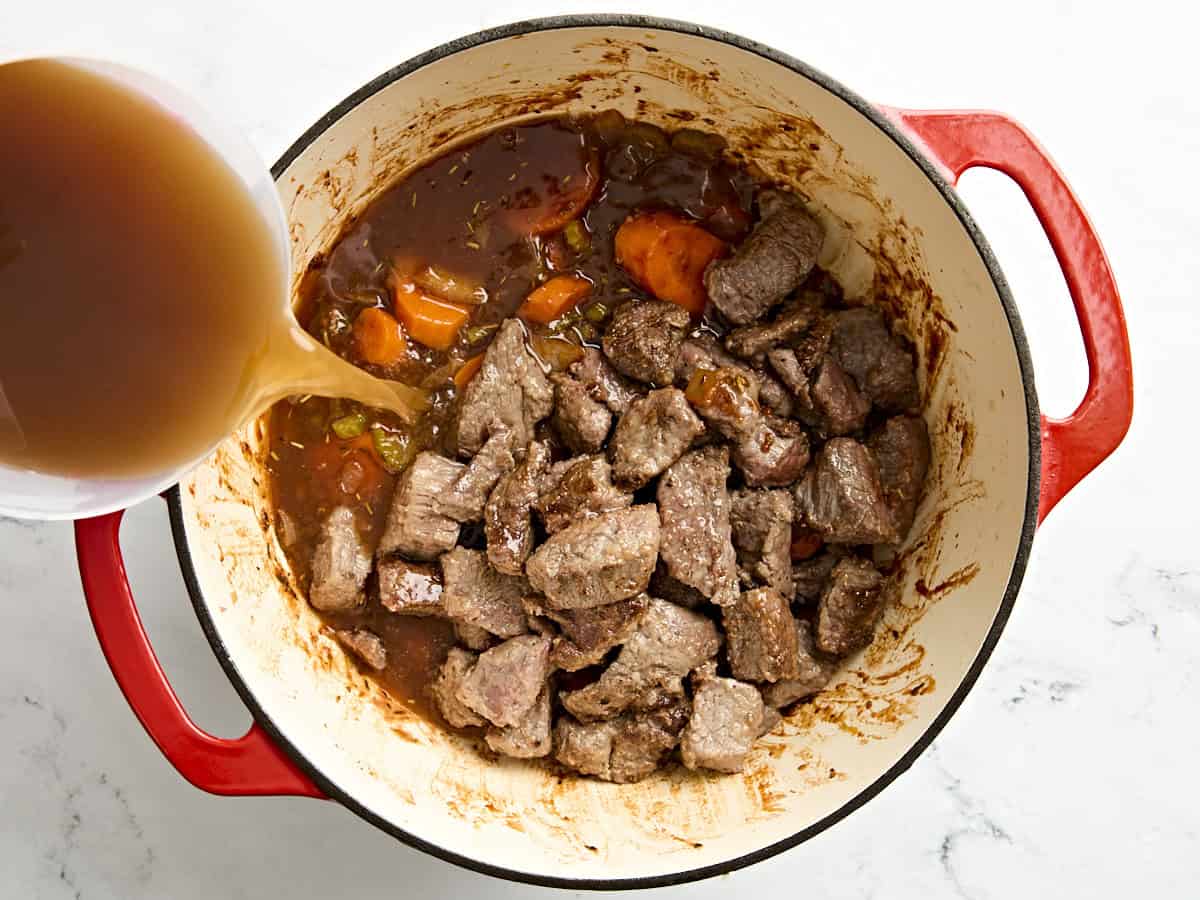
(142, 307)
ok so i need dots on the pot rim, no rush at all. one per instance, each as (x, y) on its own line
(1029, 524)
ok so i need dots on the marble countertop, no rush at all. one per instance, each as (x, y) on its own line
(1070, 770)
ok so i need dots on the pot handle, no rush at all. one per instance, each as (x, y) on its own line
(1073, 446)
(250, 765)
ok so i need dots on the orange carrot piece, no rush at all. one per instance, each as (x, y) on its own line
(467, 371)
(378, 337)
(561, 206)
(548, 301)
(676, 264)
(667, 255)
(427, 319)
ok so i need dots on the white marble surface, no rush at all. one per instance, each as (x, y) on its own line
(1069, 771)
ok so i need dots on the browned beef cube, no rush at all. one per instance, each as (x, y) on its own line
(411, 589)
(446, 686)
(643, 339)
(528, 738)
(850, 607)
(505, 682)
(773, 454)
(669, 643)
(341, 562)
(507, 517)
(696, 535)
(842, 499)
(761, 635)
(509, 393)
(588, 634)
(625, 749)
(901, 448)
(581, 422)
(476, 594)
(767, 266)
(652, 434)
(762, 534)
(603, 383)
(416, 526)
(583, 491)
(752, 341)
(727, 717)
(838, 406)
(814, 671)
(876, 359)
(727, 398)
(663, 585)
(809, 576)
(597, 561)
(364, 644)
(473, 636)
(703, 352)
(466, 498)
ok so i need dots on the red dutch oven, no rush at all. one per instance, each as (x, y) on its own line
(882, 180)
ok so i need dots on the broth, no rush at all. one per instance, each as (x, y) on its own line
(142, 307)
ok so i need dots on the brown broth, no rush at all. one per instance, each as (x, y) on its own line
(142, 309)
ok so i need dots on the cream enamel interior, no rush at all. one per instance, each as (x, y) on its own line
(520, 816)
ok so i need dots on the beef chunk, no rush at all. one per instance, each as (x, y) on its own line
(530, 737)
(837, 405)
(603, 383)
(842, 499)
(797, 365)
(416, 526)
(643, 339)
(409, 588)
(625, 749)
(588, 634)
(652, 434)
(850, 607)
(341, 563)
(762, 636)
(752, 341)
(813, 671)
(773, 454)
(581, 422)
(767, 266)
(466, 498)
(473, 636)
(696, 535)
(901, 447)
(875, 358)
(446, 686)
(663, 585)
(726, 719)
(727, 398)
(762, 535)
(509, 393)
(477, 594)
(809, 576)
(504, 684)
(507, 517)
(583, 491)
(364, 644)
(597, 561)
(669, 643)
(703, 352)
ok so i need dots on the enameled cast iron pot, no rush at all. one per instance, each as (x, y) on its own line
(881, 178)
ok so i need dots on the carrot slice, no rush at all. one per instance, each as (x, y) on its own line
(467, 371)
(548, 301)
(667, 255)
(427, 319)
(378, 337)
(561, 204)
(676, 264)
